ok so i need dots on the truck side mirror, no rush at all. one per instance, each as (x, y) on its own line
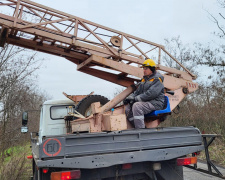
(24, 128)
(24, 118)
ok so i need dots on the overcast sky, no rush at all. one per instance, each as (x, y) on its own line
(153, 20)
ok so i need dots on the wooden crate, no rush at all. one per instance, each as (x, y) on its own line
(114, 122)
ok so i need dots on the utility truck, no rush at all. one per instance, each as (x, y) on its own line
(155, 153)
(89, 137)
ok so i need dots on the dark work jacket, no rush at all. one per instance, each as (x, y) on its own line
(151, 89)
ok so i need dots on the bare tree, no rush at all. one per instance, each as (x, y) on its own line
(218, 63)
(18, 92)
(220, 20)
(196, 57)
(182, 52)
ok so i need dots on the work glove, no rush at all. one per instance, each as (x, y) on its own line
(125, 102)
(129, 99)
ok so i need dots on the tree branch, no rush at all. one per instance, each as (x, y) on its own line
(217, 22)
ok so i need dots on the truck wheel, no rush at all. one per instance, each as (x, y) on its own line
(84, 106)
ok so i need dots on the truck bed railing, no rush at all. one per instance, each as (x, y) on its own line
(209, 163)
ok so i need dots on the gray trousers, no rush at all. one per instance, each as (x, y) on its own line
(136, 114)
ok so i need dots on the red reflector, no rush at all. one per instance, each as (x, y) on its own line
(70, 175)
(127, 166)
(45, 171)
(30, 157)
(186, 161)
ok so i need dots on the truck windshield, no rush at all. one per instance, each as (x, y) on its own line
(59, 112)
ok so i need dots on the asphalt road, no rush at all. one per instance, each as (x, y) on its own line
(190, 174)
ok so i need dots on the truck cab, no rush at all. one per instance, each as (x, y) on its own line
(52, 117)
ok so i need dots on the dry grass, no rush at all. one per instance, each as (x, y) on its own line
(16, 166)
(216, 152)
(209, 120)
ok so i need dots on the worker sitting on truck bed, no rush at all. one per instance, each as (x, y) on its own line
(148, 97)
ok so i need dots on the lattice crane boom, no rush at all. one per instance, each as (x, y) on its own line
(96, 49)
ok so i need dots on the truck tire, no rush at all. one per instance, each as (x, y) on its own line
(84, 106)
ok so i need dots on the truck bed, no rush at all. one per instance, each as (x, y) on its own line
(96, 150)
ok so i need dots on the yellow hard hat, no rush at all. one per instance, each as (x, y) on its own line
(149, 63)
